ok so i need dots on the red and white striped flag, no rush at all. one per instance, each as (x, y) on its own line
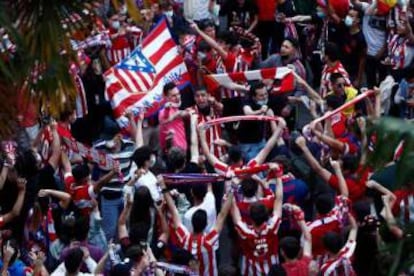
(136, 83)
(285, 81)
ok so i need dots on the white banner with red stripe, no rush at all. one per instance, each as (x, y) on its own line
(283, 74)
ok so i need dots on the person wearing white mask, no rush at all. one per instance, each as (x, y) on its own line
(252, 133)
(120, 45)
(354, 48)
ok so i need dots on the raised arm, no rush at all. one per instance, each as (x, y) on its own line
(17, 207)
(123, 218)
(56, 151)
(262, 155)
(170, 203)
(390, 219)
(97, 186)
(165, 230)
(210, 41)
(312, 93)
(342, 187)
(278, 203)
(314, 164)
(3, 174)
(194, 150)
(64, 198)
(212, 159)
(354, 228)
(330, 141)
(224, 212)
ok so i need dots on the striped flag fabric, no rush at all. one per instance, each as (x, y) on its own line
(285, 81)
(136, 83)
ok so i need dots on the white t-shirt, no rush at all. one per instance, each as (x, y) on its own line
(374, 37)
(196, 9)
(150, 181)
(208, 205)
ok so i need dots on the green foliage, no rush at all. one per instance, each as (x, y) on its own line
(389, 132)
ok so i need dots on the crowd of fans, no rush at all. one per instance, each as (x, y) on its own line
(294, 197)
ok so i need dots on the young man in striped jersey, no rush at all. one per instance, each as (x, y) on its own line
(339, 262)
(200, 243)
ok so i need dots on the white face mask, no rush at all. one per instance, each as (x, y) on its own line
(201, 55)
(153, 160)
(169, 13)
(110, 144)
(348, 21)
(261, 103)
(116, 25)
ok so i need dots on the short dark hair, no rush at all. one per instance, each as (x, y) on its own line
(333, 242)
(324, 203)
(81, 171)
(168, 87)
(258, 213)
(350, 162)
(293, 41)
(206, 23)
(290, 247)
(176, 158)
(199, 221)
(335, 76)
(73, 260)
(334, 101)
(203, 46)
(332, 51)
(235, 154)
(199, 191)
(141, 155)
(255, 86)
(249, 187)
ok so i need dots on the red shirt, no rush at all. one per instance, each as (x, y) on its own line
(299, 267)
(267, 9)
(338, 123)
(82, 195)
(331, 222)
(259, 246)
(267, 200)
(202, 247)
(404, 205)
(341, 264)
(356, 183)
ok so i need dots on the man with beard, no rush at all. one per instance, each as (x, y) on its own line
(207, 108)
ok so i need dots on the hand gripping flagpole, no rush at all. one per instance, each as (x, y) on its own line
(350, 103)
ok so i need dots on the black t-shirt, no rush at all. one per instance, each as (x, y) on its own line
(238, 15)
(353, 49)
(251, 131)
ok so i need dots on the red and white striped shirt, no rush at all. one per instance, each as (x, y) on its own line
(202, 247)
(120, 48)
(327, 71)
(212, 134)
(259, 246)
(340, 265)
(331, 222)
(404, 205)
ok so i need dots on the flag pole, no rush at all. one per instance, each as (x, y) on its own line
(352, 102)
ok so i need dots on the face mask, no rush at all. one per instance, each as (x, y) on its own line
(201, 55)
(261, 103)
(348, 21)
(116, 25)
(402, 3)
(153, 160)
(110, 144)
(123, 10)
(320, 14)
(168, 13)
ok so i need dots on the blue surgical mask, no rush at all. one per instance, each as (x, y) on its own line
(348, 21)
(320, 14)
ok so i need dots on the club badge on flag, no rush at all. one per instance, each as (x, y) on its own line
(283, 76)
(136, 83)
